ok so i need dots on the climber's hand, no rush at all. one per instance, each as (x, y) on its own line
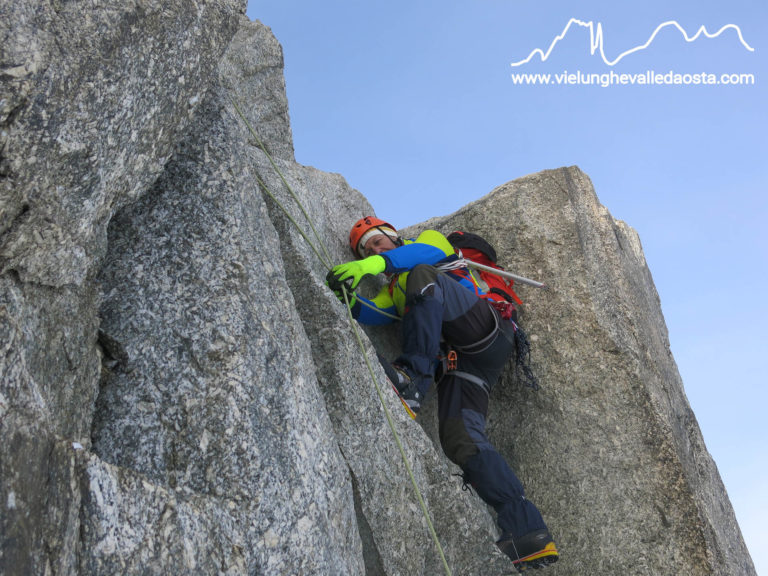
(355, 270)
(339, 288)
(351, 297)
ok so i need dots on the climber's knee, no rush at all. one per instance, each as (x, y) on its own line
(419, 279)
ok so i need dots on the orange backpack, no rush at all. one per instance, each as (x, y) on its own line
(477, 249)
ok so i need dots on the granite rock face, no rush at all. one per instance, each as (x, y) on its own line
(608, 448)
(182, 394)
(93, 100)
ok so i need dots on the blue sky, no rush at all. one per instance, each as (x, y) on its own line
(414, 103)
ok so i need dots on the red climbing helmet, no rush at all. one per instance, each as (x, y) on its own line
(364, 229)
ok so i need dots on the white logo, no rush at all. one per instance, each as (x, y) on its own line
(596, 40)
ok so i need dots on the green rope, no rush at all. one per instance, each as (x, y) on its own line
(274, 198)
(372, 307)
(279, 172)
(355, 329)
(391, 423)
(295, 224)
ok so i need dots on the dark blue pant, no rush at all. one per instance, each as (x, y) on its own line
(436, 306)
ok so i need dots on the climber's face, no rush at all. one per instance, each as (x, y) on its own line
(378, 244)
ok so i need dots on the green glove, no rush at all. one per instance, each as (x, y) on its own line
(356, 269)
(338, 289)
(351, 296)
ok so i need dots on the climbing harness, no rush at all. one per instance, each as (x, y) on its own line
(472, 379)
(522, 354)
(355, 329)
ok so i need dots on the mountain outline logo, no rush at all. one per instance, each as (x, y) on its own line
(596, 40)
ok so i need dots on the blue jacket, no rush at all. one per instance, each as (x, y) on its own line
(430, 247)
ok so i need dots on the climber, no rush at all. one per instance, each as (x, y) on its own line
(436, 305)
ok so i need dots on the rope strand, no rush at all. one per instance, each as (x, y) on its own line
(391, 423)
(355, 329)
(280, 173)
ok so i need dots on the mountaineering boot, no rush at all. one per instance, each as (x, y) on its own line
(403, 383)
(534, 550)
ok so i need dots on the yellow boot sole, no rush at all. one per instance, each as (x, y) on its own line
(538, 559)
